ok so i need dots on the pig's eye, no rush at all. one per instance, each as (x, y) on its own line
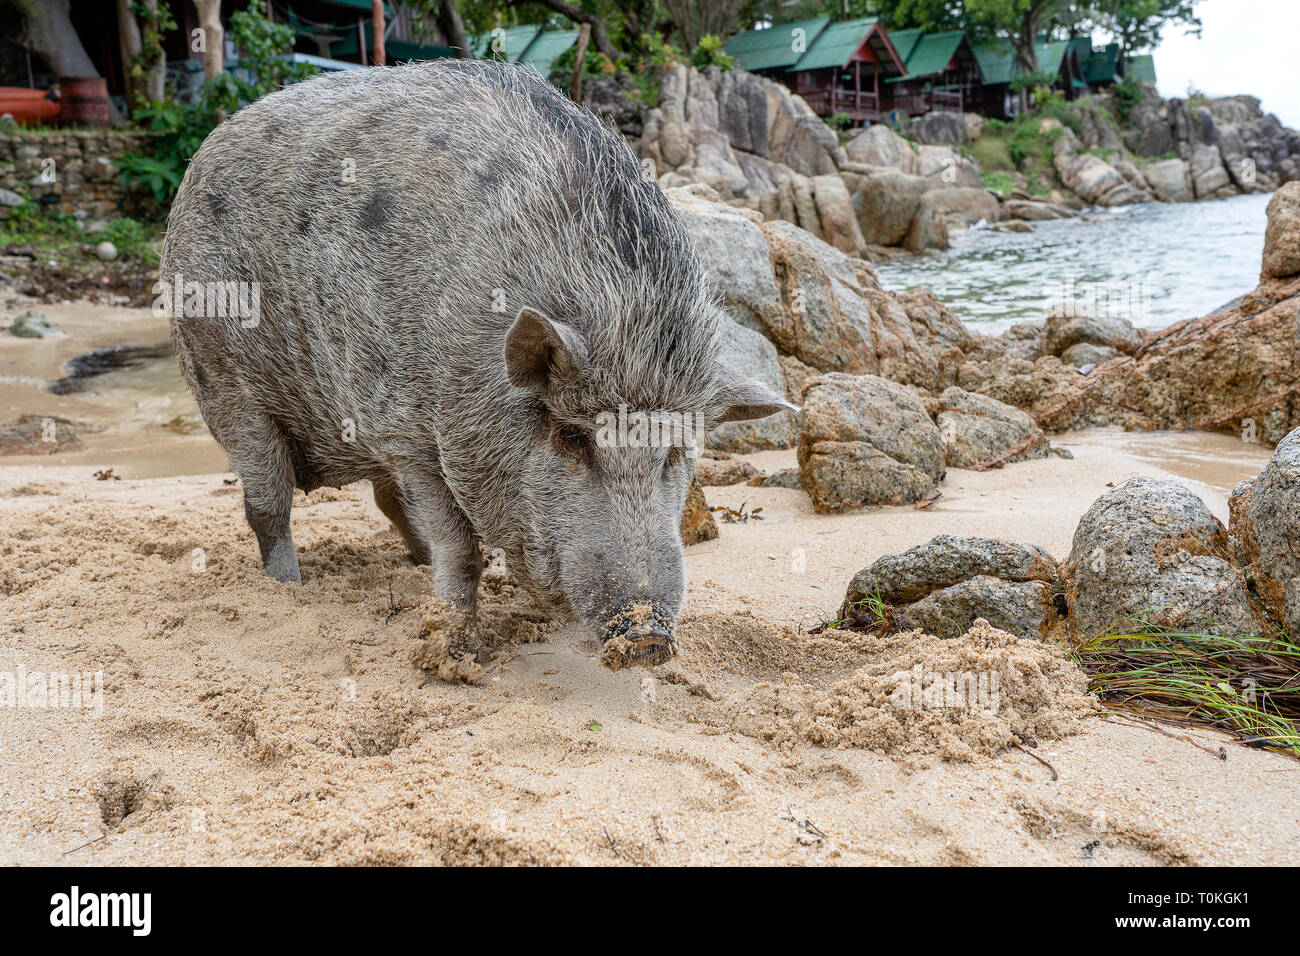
(574, 443)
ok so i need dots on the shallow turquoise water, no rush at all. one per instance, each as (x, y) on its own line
(1155, 263)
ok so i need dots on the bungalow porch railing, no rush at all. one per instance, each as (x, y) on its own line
(830, 102)
(925, 101)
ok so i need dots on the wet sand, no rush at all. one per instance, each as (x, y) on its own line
(249, 721)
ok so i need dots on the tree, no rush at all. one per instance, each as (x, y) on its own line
(932, 16)
(696, 19)
(1137, 24)
(453, 29)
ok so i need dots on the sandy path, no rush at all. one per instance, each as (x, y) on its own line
(247, 721)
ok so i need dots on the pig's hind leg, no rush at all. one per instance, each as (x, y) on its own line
(262, 459)
(389, 499)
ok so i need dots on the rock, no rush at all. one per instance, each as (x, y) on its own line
(982, 432)
(106, 251)
(1013, 225)
(928, 230)
(1090, 177)
(1074, 322)
(826, 321)
(10, 198)
(947, 560)
(614, 97)
(1023, 609)
(886, 202)
(1209, 178)
(799, 139)
(865, 441)
(1282, 237)
(879, 145)
(189, 424)
(1265, 524)
(1033, 211)
(34, 325)
(939, 127)
(39, 435)
(788, 478)
(945, 168)
(1085, 356)
(697, 520)
(724, 471)
(965, 205)
(735, 256)
(943, 585)
(1149, 554)
(835, 212)
(750, 354)
(1170, 180)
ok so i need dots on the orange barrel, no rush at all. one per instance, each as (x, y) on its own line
(85, 101)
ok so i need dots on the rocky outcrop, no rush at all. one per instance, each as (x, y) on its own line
(697, 520)
(1149, 554)
(1282, 236)
(1170, 180)
(863, 441)
(1265, 526)
(1090, 177)
(750, 354)
(1075, 323)
(939, 127)
(983, 433)
(944, 585)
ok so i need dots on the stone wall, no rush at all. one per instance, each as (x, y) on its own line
(85, 181)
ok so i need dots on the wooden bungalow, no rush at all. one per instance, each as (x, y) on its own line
(775, 49)
(844, 70)
(942, 73)
(997, 63)
(1141, 68)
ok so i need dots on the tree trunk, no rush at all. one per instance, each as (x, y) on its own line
(453, 29)
(128, 32)
(50, 35)
(579, 56)
(578, 15)
(378, 56)
(154, 82)
(214, 42)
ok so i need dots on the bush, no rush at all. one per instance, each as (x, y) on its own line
(709, 52)
(1125, 95)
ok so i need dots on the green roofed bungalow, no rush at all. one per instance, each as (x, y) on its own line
(508, 44)
(1141, 68)
(774, 48)
(998, 65)
(942, 73)
(842, 72)
(542, 53)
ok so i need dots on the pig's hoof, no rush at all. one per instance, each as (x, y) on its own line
(644, 648)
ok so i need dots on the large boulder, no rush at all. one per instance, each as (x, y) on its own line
(983, 433)
(1170, 180)
(835, 213)
(885, 202)
(1090, 177)
(942, 586)
(939, 128)
(1149, 554)
(964, 205)
(734, 251)
(751, 355)
(1282, 237)
(879, 145)
(1075, 322)
(1209, 178)
(945, 168)
(697, 520)
(863, 441)
(1265, 523)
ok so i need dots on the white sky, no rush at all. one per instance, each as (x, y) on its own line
(1246, 46)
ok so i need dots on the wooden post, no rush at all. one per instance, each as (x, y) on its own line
(584, 35)
(361, 41)
(377, 24)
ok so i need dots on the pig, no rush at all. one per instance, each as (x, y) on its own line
(443, 278)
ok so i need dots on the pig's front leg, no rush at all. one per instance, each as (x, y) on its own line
(454, 549)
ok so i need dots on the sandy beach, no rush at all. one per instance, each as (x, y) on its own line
(247, 721)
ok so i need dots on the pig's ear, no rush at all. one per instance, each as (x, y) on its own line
(740, 399)
(541, 351)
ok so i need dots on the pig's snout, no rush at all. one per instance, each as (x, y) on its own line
(632, 640)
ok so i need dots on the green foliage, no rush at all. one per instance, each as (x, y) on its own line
(839, 122)
(994, 125)
(1125, 95)
(260, 71)
(59, 236)
(1031, 81)
(655, 51)
(180, 129)
(708, 52)
(999, 181)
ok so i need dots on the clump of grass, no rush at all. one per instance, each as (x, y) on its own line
(871, 614)
(1248, 687)
(58, 236)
